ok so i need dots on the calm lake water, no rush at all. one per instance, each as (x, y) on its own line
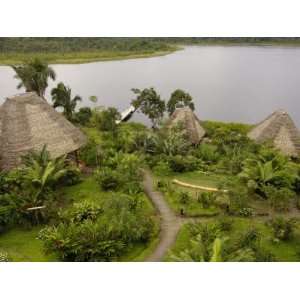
(231, 83)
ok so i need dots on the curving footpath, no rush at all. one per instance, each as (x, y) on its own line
(170, 223)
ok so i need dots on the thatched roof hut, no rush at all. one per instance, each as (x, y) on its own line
(190, 123)
(280, 129)
(28, 122)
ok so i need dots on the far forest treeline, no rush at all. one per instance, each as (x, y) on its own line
(73, 44)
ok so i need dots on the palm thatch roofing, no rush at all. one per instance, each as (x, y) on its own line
(280, 129)
(28, 122)
(191, 124)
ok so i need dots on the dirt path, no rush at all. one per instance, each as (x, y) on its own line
(170, 223)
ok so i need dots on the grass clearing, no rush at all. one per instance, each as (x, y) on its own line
(192, 208)
(22, 245)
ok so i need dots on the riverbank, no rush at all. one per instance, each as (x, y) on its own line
(81, 57)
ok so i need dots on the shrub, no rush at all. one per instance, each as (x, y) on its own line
(280, 198)
(207, 152)
(83, 116)
(184, 198)
(246, 212)
(206, 199)
(90, 154)
(130, 137)
(162, 185)
(225, 224)
(72, 176)
(238, 199)
(8, 214)
(106, 119)
(81, 212)
(249, 238)
(162, 168)
(4, 257)
(4, 183)
(283, 229)
(92, 232)
(109, 179)
(181, 164)
(120, 172)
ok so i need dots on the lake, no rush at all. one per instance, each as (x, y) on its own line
(227, 83)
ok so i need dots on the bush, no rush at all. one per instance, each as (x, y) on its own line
(206, 199)
(225, 224)
(120, 172)
(181, 164)
(109, 179)
(81, 212)
(4, 257)
(249, 238)
(207, 152)
(92, 232)
(72, 176)
(106, 119)
(89, 154)
(238, 199)
(162, 168)
(130, 137)
(8, 212)
(83, 116)
(280, 198)
(184, 198)
(246, 212)
(283, 229)
(162, 185)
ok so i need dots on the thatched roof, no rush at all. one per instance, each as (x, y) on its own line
(190, 123)
(280, 129)
(28, 122)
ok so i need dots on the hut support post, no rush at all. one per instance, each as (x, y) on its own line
(76, 157)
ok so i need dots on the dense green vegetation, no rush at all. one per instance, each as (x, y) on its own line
(53, 209)
(240, 239)
(79, 50)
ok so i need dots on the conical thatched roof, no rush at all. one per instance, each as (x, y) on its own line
(28, 122)
(281, 130)
(190, 123)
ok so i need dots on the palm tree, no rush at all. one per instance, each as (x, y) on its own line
(34, 76)
(61, 97)
(41, 171)
(199, 252)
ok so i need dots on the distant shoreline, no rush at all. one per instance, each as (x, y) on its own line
(7, 59)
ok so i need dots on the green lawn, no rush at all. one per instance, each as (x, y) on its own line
(23, 245)
(192, 208)
(283, 251)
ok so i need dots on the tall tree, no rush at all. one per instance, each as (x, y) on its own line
(180, 98)
(34, 76)
(61, 97)
(150, 104)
